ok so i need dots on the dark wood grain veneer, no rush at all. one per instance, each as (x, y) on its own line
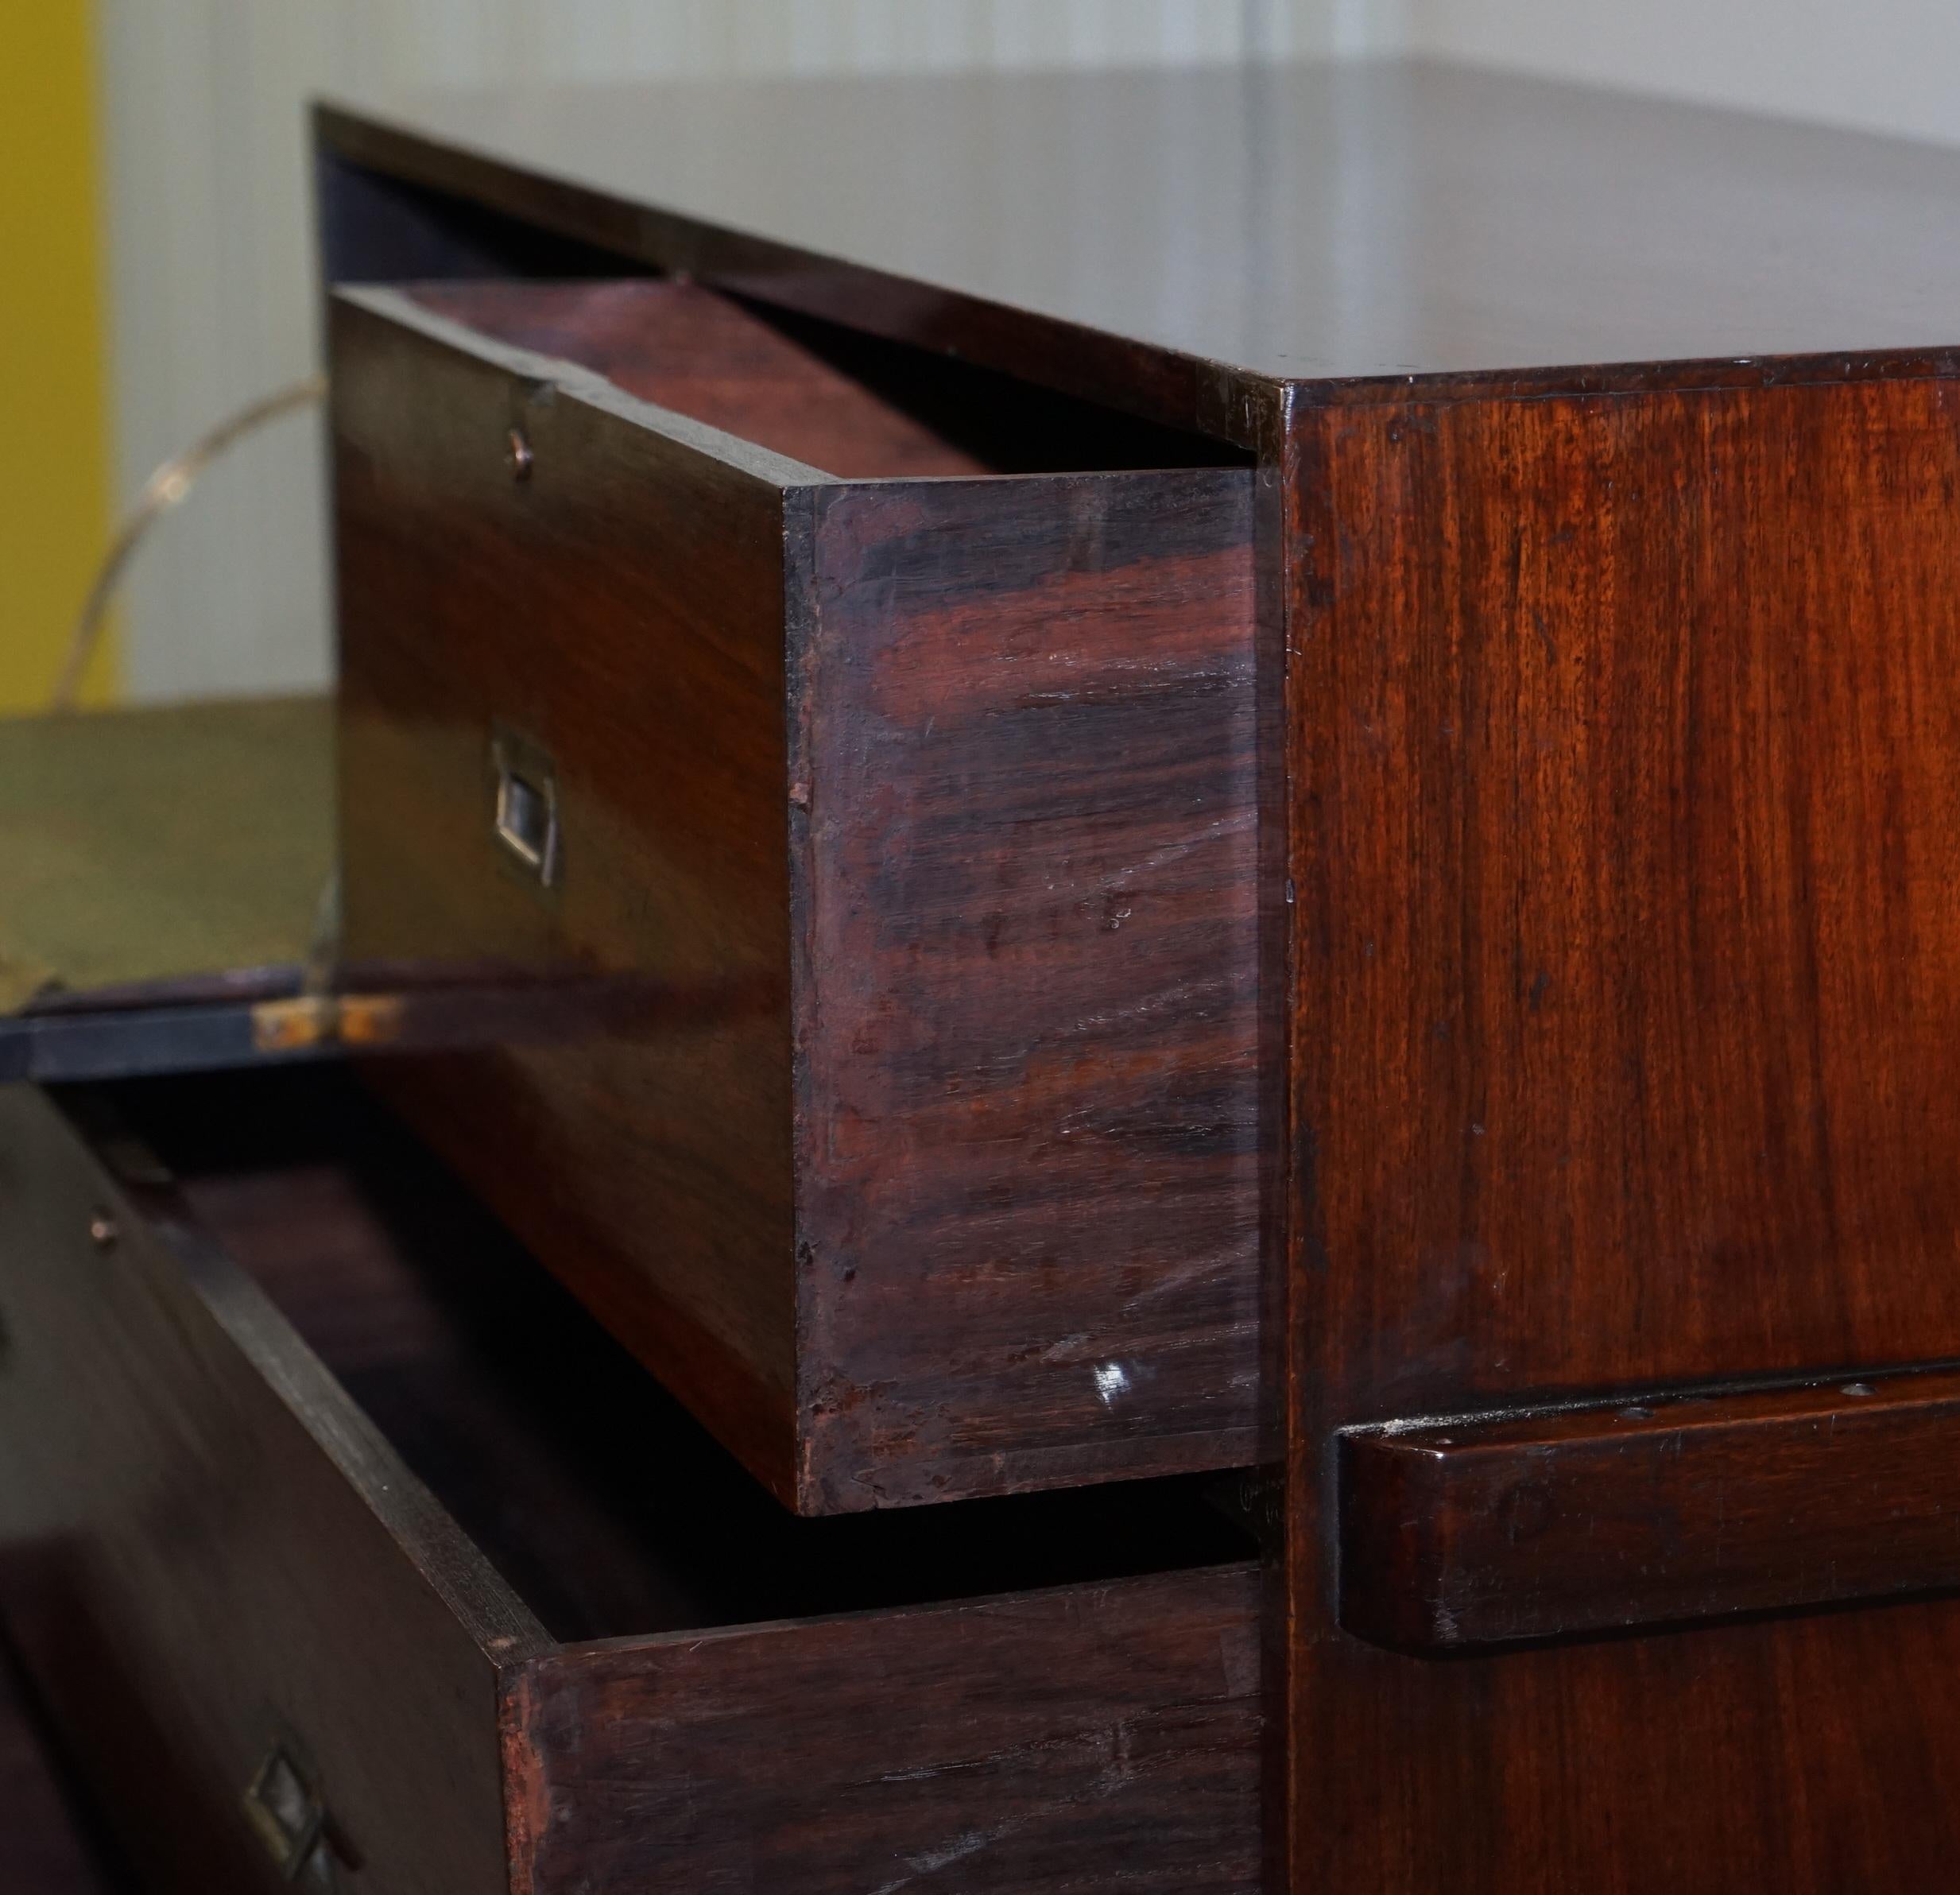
(1369, 222)
(1113, 1746)
(1493, 1529)
(1026, 1138)
(1607, 897)
(928, 806)
(659, 1178)
(1626, 937)
(858, 407)
(1021, 1692)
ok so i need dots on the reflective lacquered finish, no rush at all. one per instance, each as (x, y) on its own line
(1608, 900)
(1290, 223)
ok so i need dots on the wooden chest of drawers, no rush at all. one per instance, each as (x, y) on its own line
(1085, 796)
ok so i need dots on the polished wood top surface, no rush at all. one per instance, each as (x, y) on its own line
(1290, 224)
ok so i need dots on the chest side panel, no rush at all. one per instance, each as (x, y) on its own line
(1625, 968)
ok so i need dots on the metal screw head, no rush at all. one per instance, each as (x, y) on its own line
(518, 453)
(102, 1232)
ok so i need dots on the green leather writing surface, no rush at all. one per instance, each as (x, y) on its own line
(162, 844)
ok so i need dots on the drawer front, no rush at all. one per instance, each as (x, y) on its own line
(906, 828)
(213, 1564)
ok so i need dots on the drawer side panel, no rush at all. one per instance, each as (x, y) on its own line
(608, 621)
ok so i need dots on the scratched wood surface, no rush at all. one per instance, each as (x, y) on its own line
(935, 1177)
(1027, 1140)
(536, 1429)
(1507, 1528)
(1102, 1738)
(1626, 863)
(748, 1701)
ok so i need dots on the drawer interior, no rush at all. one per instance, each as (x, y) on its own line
(849, 404)
(607, 1508)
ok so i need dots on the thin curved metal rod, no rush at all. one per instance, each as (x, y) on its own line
(164, 489)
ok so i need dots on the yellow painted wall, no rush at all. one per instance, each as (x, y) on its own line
(54, 453)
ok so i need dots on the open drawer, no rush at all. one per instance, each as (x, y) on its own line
(876, 736)
(353, 1552)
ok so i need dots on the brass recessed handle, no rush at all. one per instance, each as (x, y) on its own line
(523, 807)
(284, 1806)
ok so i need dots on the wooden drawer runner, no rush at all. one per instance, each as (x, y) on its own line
(313, 1486)
(901, 816)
